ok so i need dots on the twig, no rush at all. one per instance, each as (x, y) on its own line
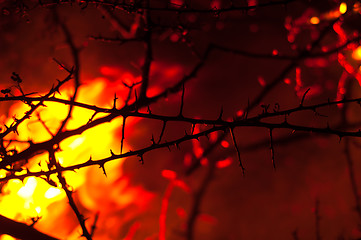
(237, 149)
(21, 230)
(69, 194)
(148, 53)
(123, 135)
(198, 197)
(272, 149)
(353, 181)
(76, 70)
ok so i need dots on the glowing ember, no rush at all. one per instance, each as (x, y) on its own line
(315, 20)
(343, 8)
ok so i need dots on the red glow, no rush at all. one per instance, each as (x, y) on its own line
(132, 231)
(224, 163)
(316, 62)
(187, 159)
(240, 113)
(177, 3)
(110, 71)
(174, 37)
(208, 219)
(169, 174)
(261, 81)
(341, 87)
(213, 137)
(287, 81)
(341, 33)
(182, 185)
(299, 84)
(181, 212)
(225, 144)
(216, 4)
(348, 67)
(164, 210)
(204, 161)
(252, 2)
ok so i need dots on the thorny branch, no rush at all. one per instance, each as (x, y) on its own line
(133, 107)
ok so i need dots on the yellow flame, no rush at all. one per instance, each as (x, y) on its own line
(343, 8)
(35, 197)
(21, 201)
(52, 193)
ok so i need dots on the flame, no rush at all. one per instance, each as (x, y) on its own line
(34, 197)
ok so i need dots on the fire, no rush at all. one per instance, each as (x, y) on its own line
(33, 198)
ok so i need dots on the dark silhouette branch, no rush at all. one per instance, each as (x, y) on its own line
(21, 230)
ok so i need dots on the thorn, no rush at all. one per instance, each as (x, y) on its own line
(136, 100)
(168, 147)
(162, 131)
(272, 149)
(303, 97)
(192, 129)
(112, 153)
(207, 136)
(152, 139)
(182, 102)
(285, 121)
(123, 135)
(247, 109)
(237, 150)
(141, 160)
(220, 114)
(103, 167)
(115, 101)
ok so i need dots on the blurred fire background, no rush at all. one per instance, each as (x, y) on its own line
(309, 195)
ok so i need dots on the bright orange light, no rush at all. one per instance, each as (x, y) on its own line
(356, 54)
(35, 197)
(314, 20)
(343, 8)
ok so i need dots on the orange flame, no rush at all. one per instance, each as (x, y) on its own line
(34, 197)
